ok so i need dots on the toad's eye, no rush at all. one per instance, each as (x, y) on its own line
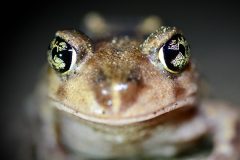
(175, 54)
(61, 55)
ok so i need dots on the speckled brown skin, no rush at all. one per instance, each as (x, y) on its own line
(116, 83)
(116, 103)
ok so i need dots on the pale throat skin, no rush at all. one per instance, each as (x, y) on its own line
(118, 95)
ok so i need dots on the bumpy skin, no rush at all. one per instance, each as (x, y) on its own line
(115, 103)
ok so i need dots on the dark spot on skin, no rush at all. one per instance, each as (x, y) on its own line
(101, 77)
(134, 75)
(188, 67)
(61, 92)
(179, 91)
(103, 112)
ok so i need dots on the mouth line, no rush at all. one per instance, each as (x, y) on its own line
(190, 100)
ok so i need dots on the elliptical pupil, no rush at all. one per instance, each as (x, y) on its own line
(62, 55)
(171, 50)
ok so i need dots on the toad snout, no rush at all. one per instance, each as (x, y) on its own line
(118, 93)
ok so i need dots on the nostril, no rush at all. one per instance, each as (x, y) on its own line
(134, 76)
(100, 77)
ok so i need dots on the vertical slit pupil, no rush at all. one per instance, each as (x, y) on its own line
(61, 55)
(176, 53)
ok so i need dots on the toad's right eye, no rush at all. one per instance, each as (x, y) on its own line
(175, 54)
(61, 55)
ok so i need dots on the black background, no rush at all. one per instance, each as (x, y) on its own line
(212, 29)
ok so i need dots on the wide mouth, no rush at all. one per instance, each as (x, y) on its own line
(118, 121)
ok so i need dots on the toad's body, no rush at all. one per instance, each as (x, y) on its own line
(117, 99)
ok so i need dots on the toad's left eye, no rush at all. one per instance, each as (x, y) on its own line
(61, 55)
(175, 54)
